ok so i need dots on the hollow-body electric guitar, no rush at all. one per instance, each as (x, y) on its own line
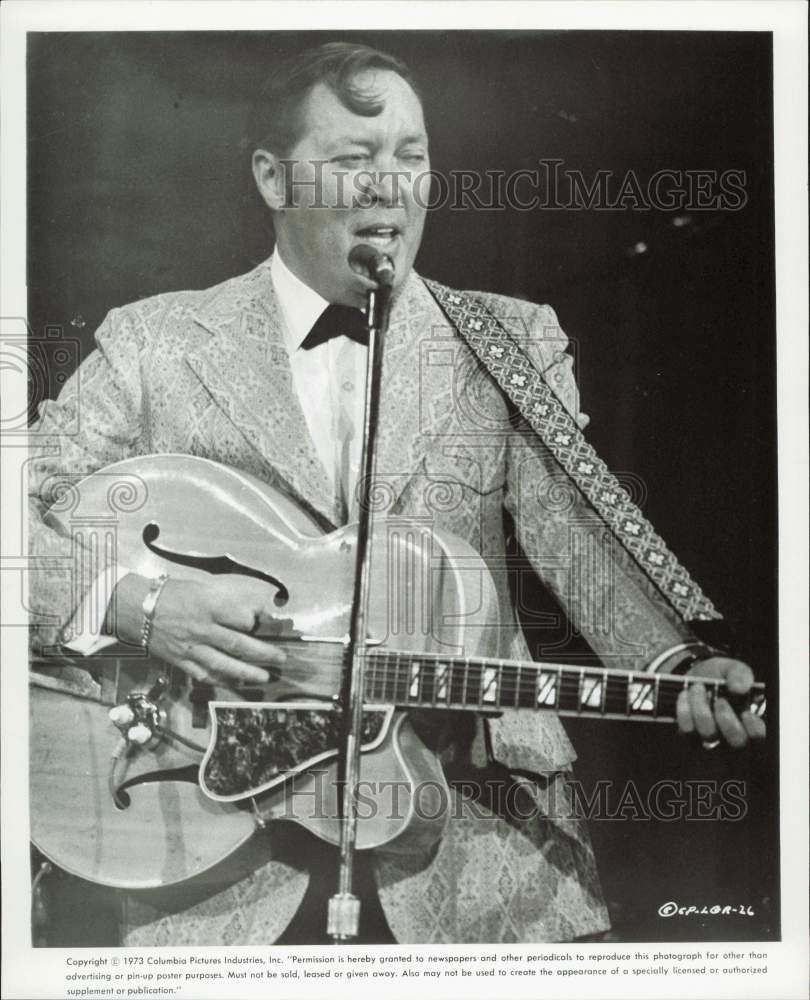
(141, 778)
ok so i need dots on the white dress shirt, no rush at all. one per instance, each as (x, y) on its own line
(329, 380)
(329, 383)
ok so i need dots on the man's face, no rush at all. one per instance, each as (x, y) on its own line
(369, 190)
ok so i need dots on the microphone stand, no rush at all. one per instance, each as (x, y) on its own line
(343, 919)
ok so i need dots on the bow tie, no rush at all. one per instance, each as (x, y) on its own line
(337, 321)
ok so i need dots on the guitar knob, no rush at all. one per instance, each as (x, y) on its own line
(122, 716)
(139, 734)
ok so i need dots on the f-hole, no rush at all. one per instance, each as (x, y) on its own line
(217, 565)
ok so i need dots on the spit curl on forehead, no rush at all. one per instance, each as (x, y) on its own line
(279, 119)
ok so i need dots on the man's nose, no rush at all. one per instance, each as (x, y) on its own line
(384, 186)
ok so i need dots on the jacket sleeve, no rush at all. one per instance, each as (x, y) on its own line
(96, 420)
(605, 594)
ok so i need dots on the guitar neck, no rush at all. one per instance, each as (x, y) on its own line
(431, 681)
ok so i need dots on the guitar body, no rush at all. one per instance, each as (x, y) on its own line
(260, 754)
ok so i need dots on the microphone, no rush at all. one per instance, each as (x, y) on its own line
(365, 259)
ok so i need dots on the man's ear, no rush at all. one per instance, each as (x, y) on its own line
(269, 174)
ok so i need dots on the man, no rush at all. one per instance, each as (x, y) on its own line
(237, 374)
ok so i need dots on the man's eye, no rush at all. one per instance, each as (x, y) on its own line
(349, 158)
(412, 156)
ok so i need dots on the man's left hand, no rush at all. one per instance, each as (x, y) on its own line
(694, 711)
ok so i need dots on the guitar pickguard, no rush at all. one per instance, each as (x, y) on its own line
(255, 747)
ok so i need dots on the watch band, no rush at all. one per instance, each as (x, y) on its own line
(149, 606)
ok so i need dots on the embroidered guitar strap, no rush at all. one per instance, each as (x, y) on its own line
(508, 364)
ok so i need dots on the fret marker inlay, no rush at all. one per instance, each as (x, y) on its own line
(416, 672)
(490, 685)
(441, 681)
(592, 692)
(641, 698)
(547, 692)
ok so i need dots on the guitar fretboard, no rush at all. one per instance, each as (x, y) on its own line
(431, 681)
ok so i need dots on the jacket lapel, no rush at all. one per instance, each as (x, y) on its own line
(413, 414)
(245, 367)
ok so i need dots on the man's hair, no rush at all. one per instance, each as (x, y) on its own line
(277, 121)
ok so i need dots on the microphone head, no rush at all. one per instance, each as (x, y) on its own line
(367, 260)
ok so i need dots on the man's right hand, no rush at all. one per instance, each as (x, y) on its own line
(202, 628)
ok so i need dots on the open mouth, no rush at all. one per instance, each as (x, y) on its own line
(379, 235)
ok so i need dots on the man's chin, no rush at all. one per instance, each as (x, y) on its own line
(355, 299)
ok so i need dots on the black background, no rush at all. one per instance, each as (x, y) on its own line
(139, 183)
